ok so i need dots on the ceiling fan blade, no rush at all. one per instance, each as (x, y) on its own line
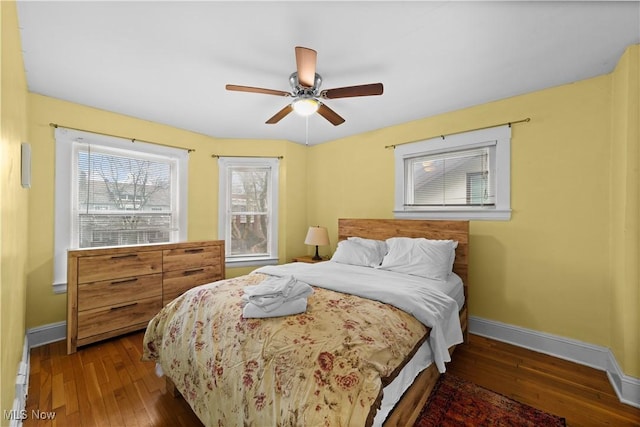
(306, 63)
(330, 115)
(350, 91)
(280, 115)
(257, 90)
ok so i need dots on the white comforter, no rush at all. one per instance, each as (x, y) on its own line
(415, 295)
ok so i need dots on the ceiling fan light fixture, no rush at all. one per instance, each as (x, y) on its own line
(305, 91)
(305, 106)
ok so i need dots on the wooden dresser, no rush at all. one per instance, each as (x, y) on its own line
(115, 290)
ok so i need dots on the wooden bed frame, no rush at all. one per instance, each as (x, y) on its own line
(408, 409)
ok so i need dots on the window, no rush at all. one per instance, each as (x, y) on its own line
(112, 192)
(462, 176)
(248, 210)
(121, 198)
(459, 178)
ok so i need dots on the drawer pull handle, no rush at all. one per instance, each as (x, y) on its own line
(193, 251)
(124, 256)
(194, 271)
(123, 306)
(120, 282)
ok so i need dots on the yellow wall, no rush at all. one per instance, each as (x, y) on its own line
(13, 207)
(44, 307)
(548, 268)
(625, 211)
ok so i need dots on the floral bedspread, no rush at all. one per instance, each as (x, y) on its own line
(324, 367)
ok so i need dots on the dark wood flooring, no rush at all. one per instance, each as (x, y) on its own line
(106, 384)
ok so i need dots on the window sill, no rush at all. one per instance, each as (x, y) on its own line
(249, 262)
(446, 214)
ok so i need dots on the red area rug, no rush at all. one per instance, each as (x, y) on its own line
(457, 402)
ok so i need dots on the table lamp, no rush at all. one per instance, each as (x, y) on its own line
(317, 236)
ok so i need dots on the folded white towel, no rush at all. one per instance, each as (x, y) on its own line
(272, 292)
(288, 308)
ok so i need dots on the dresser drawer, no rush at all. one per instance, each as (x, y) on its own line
(175, 283)
(114, 292)
(126, 315)
(115, 266)
(185, 258)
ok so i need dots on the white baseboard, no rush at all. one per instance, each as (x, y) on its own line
(626, 387)
(46, 334)
(18, 410)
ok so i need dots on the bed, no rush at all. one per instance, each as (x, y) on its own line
(351, 358)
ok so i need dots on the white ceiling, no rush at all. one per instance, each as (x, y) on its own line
(168, 62)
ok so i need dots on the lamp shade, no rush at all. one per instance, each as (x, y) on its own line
(305, 106)
(317, 236)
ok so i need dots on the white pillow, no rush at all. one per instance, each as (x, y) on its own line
(422, 257)
(379, 246)
(353, 253)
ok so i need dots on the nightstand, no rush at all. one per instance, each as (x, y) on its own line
(308, 259)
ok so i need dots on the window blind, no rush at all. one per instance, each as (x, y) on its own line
(122, 198)
(459, 178)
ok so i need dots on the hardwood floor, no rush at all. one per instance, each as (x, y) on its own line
(106, 384)
(582, 395)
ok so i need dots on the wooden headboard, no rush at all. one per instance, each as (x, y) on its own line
(382, 229)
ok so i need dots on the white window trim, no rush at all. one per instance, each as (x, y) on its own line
(224, 210)
(500, 137)
(65, 139)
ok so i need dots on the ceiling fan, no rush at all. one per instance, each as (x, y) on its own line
(305, 89)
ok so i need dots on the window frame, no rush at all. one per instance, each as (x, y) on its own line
(66, 148)
(498, 138)
(224, 209)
